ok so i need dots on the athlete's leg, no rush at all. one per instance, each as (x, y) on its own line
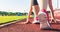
(42, 4)
(34, 5)
(36, 10)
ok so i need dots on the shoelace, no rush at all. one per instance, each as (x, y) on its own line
(37, 18)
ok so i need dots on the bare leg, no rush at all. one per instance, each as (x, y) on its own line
(42, 4)
(36, 10)
(34, 5)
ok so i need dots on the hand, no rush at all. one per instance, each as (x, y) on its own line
(53, 20)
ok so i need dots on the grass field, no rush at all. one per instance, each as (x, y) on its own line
(4, 19)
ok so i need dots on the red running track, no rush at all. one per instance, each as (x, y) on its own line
(17, 27)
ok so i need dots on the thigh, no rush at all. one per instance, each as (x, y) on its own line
(43, 4)
(34, 2)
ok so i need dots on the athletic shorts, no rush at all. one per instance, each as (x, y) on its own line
(34, 2)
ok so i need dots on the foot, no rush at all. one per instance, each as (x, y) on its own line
(36, 21)
(53, 21)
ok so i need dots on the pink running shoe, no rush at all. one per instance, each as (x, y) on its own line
(36, 20)
(43, 20)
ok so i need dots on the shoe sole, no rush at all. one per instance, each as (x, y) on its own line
(46, 28)
(36, 22)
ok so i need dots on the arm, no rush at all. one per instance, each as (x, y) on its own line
(51, 7)
(30, 10)
(52, 11)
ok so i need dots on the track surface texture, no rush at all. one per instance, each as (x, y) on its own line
(18, 27)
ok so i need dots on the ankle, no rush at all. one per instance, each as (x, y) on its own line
(36, 18)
